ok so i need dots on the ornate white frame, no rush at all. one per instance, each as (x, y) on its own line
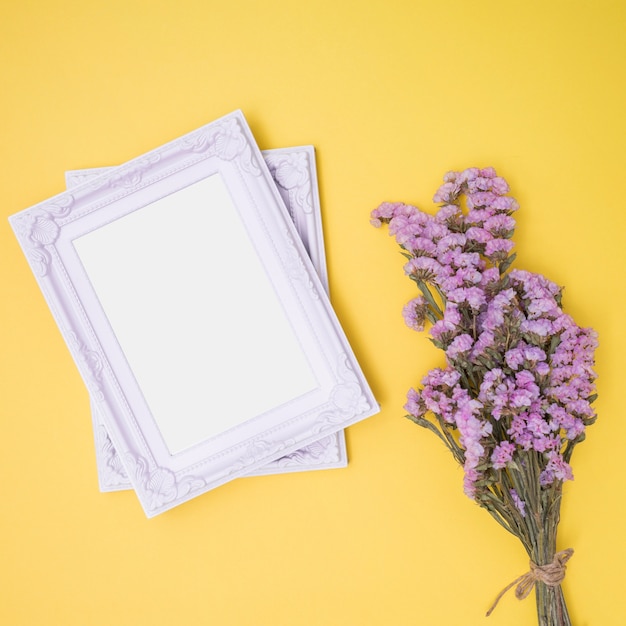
(294, 172)
(222, 151)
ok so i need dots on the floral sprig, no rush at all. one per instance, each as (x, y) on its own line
(515, 395)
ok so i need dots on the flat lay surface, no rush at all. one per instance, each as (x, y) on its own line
(392, 95)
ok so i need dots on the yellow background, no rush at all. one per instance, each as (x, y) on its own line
(392, 93)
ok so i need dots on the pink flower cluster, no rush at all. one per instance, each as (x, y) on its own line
(519, 374)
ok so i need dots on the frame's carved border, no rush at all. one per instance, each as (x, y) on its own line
(294, 172)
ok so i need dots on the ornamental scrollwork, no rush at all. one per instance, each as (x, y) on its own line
(111, 469)
(226, 141)
(346, 399)
(325, 450)
(160, 484)
(39, 229)
(295, 266)
(292, 172)
(130, 176)
(92, 363)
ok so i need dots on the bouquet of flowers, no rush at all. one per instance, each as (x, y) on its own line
(515, 395)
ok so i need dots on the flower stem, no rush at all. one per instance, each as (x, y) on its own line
(551, 607)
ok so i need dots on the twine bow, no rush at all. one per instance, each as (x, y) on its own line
(551, 575)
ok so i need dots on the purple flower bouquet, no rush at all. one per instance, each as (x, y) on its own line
(515, 395)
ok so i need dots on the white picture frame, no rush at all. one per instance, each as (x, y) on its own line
(195, 387)
(295, 175)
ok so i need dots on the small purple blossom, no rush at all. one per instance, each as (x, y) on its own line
(540, 327)
(414, 404)
(505, 204)
(420, 246)
(480, 199)
(485, 341)
(450, 242)
(556, 469)
(473, 296)
(499, 186)
(447, 192)
(502, 454)
(384, 213)
(435, 231)
(520, 505)
(447, 212)
(445, 329)
(498, 249)
(479, 235)
(460, 347)
(414, 313)
(500, 225)
(423, 268)
(498, 309)
(472, 432)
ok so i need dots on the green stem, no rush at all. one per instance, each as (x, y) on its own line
(551, 607)
(429, 298)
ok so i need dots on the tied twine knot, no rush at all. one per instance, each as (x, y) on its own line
(551, 575)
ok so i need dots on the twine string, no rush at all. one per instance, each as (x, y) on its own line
(551, 575)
